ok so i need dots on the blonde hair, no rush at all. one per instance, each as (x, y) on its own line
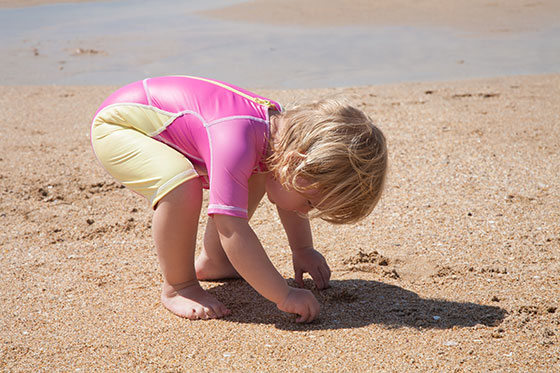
(338, 150)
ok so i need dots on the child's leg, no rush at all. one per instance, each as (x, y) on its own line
(174, 227)
(212, 263)
(154, 169)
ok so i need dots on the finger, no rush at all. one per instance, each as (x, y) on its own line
(318, 277)
(299, 277)
(326, 274)
(303, 316)
(299, 319)
(316, 310)
(313, 311)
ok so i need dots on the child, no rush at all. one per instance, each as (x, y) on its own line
(167, 138)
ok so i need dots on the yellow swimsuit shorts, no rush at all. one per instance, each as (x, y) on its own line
(122, 140)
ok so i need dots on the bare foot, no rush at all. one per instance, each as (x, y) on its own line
(192, 302)
(208, 269)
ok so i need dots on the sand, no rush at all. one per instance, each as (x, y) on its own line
(456, 270)
(481, 16)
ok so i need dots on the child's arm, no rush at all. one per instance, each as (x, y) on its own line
(248, 257)
(304, 257)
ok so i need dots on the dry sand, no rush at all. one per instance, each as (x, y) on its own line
(456, 270)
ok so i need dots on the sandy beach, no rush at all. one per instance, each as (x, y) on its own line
(494, 16)
(457, 269)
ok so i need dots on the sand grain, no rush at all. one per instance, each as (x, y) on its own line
(465, 276)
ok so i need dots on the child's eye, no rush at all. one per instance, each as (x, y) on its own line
(309, 204)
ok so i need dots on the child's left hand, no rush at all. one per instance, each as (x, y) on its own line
(311, 261)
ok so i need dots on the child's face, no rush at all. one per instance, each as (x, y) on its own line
(290, 200)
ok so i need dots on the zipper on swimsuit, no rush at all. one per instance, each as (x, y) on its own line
(257, 100)
(264, 102)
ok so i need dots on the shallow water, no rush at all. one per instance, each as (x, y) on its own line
(121, 41)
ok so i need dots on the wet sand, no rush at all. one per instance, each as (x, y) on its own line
(496, 16)
(364, 43)
(456, 270)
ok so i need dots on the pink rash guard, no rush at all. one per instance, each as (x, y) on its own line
(222, 129)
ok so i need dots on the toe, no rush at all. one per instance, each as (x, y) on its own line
(221, 310)
(224, 310)
(201, 313)
(210, 313)
(190, 314)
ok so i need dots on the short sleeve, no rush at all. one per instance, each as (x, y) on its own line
(235, 152)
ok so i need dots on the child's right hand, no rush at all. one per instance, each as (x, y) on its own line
(301, 302)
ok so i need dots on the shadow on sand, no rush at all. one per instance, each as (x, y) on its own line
(358, 303)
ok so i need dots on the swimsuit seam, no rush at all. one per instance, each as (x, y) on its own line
(173, 179)
(173, 116)
(139, 105)
(224, 119)
(226, 207)
(211, 171)
(170, 144)
(146, 92)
